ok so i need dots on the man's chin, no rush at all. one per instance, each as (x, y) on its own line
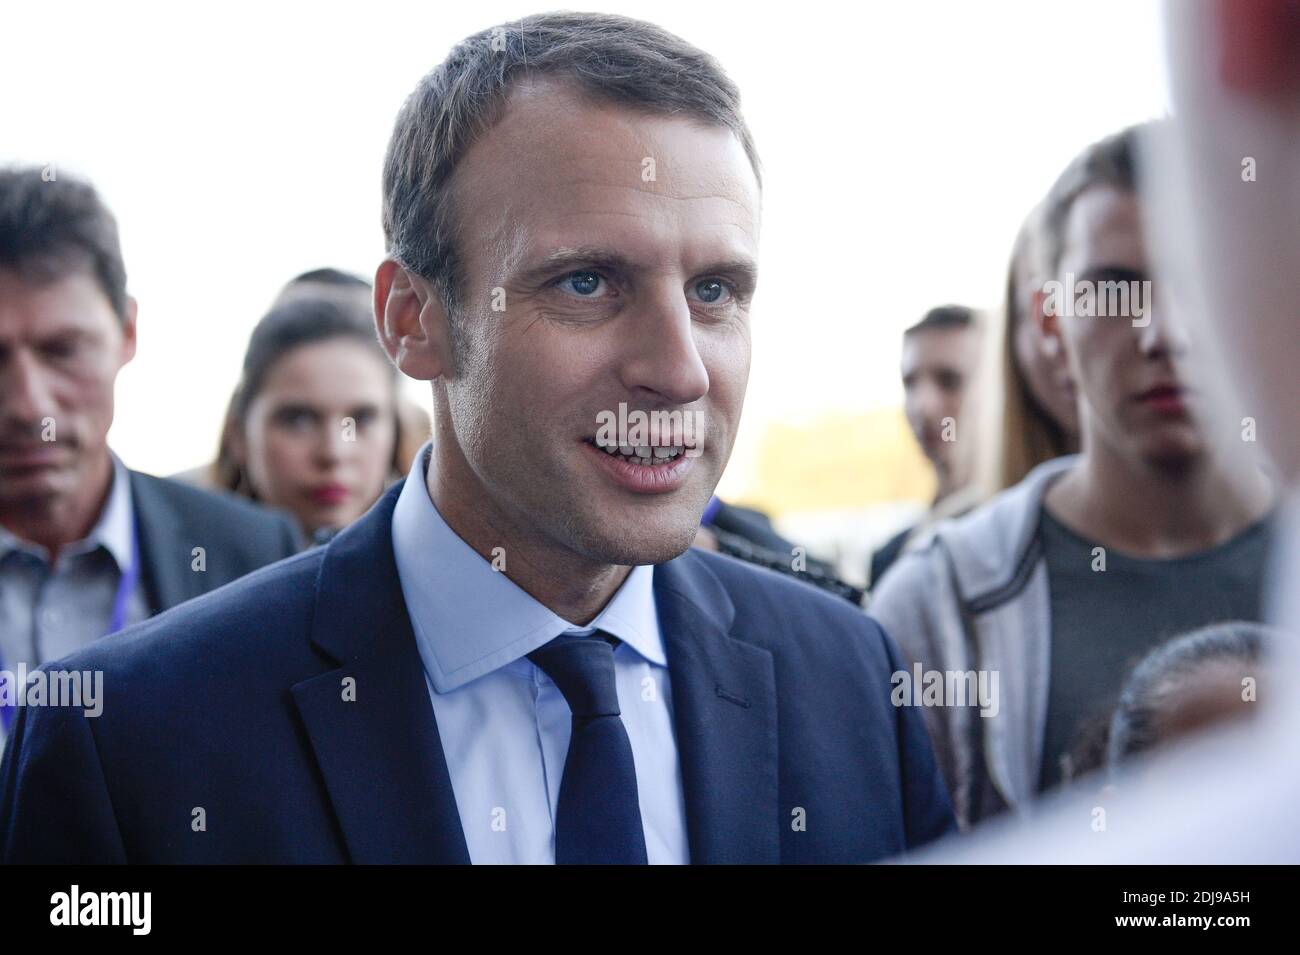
(640, 545)
(1175, 454)
(19, 485)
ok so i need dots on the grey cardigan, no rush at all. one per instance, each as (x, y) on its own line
(973, 595)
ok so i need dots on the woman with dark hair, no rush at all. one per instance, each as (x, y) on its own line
(313, 426)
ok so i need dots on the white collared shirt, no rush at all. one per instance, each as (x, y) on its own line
(503, 723)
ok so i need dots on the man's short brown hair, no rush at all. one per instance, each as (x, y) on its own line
(610, 58)
(53, 224)
(1112, 161)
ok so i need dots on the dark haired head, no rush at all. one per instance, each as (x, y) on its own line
(291, 325)
(1112, 161)
(51, 225)
(945, 316)
(329, 276)
(1173, 684)
(609, 58)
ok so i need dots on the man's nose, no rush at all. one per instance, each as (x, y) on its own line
(662, 354)
(928, 401)
(25, 392)
(1165, 334)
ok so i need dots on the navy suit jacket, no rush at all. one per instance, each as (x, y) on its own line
(226, 736)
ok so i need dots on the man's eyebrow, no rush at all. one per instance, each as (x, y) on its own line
(62, 334)
(589, 257)
(745, 270)
(573, 259)
(1107, 271)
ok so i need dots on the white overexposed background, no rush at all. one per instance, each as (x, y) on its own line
(241, 143)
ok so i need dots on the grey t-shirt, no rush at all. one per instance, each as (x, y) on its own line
(1104, 622)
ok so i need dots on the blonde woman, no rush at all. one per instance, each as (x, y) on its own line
(1039, 417)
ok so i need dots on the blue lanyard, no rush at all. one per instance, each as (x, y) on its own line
(126, 586)
(710, 511)
(117, 620)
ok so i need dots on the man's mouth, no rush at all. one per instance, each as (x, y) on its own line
(645, 455)
(642, 469)
(30, 455)
(1169, 399)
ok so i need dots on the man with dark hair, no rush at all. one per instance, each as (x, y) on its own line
(87, 546)
(1160, 525)
(1200, 679)
(940, 357)
(516, 656)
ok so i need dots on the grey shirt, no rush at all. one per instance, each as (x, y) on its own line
(47, 612)
(1104, 622)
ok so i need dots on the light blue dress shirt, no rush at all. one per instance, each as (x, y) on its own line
(48, 611)
(504, 725)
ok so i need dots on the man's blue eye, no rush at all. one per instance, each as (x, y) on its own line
(584, 283)
(710, 290)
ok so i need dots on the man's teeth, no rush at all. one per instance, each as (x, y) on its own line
(643, 454)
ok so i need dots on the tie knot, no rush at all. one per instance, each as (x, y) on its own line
(582, 667)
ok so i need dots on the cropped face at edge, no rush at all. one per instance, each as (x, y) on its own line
(608, 261)
(1229, 212)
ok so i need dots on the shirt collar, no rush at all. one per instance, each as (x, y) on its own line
(112, 530)
(470, 619)
(115, 523)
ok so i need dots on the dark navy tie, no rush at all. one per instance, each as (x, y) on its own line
(598, 819)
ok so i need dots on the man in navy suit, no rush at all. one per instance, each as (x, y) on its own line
(514, 657)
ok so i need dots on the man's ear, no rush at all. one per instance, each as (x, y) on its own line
(412, 323)
(129, 330)
(1049, 324)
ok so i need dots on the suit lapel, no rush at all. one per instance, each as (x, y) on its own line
(724, 711)
(381, 756)
(379, 752)
(164, 553)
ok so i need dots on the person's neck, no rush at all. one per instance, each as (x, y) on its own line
(951, 480)
(1159, 512)
(567, 584)
(53, 521)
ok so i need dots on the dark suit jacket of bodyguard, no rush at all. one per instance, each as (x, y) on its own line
(173, 518)
(230, 711)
